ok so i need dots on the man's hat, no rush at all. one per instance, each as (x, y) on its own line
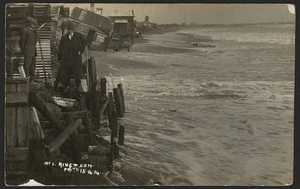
(70, 26)
(31, 20)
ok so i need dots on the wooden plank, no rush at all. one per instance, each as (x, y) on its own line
(16, 81)
(35, 101)
(24, 87)
(17, 154)
(15, 172)
(17, 104)
(74, 115)
(103, 108)
(63, 136)
(16, 97)
(10, 125)
(22, 119)
(22, 72)
(37, 129)
(10, 88)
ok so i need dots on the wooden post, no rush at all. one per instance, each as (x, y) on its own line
(121, 135)
(114, 135)
(103, 82)
(110, 108)
(83, 103)
(87, 67)
(92, 74)
(117, 151)
(114, 126)
(120, 87)
(88, 126)
(95, 110)
(118, 102)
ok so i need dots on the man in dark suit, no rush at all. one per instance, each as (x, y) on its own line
(27, 44)
(70, 50)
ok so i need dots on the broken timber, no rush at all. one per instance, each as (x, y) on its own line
(62, 137)
(39, 105)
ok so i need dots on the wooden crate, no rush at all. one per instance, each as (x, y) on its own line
(17, 114)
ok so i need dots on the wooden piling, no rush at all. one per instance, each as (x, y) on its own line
(92, 76)
(120, 87)
(110, 108)
(121, 135)
(117, 151)
(114, 136)
(118, 102)
(114, 126)
(95, 110)
(103, 82)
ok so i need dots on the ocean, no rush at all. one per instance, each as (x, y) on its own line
(219, 113)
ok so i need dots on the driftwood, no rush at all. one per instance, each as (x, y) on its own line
(63, 136)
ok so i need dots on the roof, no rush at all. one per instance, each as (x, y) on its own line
(118, 13)
(92, 18)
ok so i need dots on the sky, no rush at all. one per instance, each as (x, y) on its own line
(198, 13)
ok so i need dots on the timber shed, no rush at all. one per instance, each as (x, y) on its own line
(95, 27)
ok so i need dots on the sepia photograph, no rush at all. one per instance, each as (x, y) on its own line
(160, 94)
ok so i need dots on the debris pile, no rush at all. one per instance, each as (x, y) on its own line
(57, 130)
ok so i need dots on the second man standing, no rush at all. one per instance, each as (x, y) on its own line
(70, 50)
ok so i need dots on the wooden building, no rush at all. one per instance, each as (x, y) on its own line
(95, 27)
(123, 34)
(123, 27)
